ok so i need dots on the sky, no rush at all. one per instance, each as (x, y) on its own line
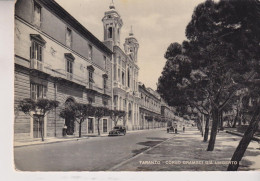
(156, 24)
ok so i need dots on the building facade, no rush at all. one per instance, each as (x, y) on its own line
(58, 59)
(125, 95)
(150, 108)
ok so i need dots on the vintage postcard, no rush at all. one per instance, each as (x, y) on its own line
(136, 85)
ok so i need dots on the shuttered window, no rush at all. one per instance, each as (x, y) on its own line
(38, 91)
(68, 37)
(37, 15)
(36, 51)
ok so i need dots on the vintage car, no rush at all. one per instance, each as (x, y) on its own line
(172, 129)
(117, 130)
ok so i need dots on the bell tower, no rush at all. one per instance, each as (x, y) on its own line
(112, 23)
(131, 46)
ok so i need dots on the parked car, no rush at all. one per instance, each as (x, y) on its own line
(117, 130)
(170, 129)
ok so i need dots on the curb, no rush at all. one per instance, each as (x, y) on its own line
(76, 138)
(241, 134)
(43, 143)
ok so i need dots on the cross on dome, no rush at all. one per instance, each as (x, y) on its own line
(131, 31)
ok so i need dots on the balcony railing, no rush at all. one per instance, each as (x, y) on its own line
(41, 66)
(71, 77)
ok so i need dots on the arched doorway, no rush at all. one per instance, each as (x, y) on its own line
(70, 122)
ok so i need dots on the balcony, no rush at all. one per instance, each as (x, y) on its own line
(40, 66)
(70, 77)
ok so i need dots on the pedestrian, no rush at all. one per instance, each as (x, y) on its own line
(183, 129)
(64, 130)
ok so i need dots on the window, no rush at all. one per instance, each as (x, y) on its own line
(91, 98)
(38, 91)
(110, 32)
(90, 52)
(90, 125)
(68, 37)
(114, 71)
(105, 62)
(105, 85)
(36, 51)
(123, 78)
(105, 103)
(128, 78)
(37, 15)
(90, 76)
(119, 75)
(69, 66)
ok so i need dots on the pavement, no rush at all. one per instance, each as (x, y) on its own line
(235, 132)
(187, 152)
(49, 140)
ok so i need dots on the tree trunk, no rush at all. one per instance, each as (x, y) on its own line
(243, 144)
(40, 121)
(98, 126)
(239, 119)
(221, 121)
(214, 129)
(235, 120)
(206, 134)
(80, 128)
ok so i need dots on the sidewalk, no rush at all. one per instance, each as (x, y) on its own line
(48, 140)
(187, 152)
(235, 132)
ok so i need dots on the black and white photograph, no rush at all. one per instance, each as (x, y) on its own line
(136, 85)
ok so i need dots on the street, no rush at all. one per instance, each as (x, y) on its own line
(93, 154)
(168, 152)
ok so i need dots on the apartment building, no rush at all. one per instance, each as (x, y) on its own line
(59, 59)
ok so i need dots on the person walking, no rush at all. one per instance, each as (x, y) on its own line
(183, 128)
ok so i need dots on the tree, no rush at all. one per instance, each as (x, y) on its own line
(223, 48)
(100, 112)
(251, 106)
(116, 115)
(77, 112)
(38, 108)
(225, 34)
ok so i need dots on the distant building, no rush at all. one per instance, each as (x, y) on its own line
(167, 113)
(150, 106)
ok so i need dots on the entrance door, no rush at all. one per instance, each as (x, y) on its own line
(38, 124)
(70, 122)
(104, 125)
(90, 125)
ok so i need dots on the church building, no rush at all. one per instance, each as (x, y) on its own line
(125, 94)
